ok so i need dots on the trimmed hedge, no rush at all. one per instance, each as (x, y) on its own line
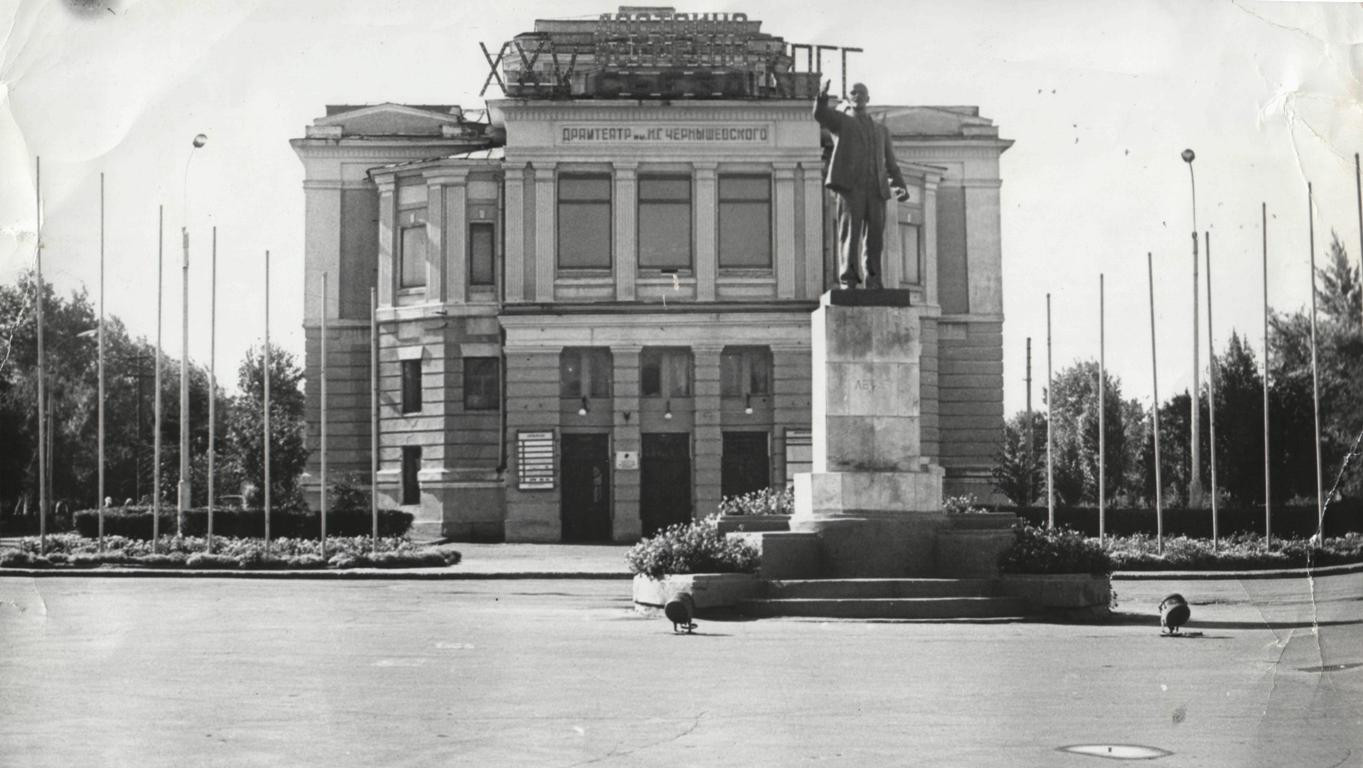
(1061, 550)
(71, 550)
(1289, 521)
(135, 523)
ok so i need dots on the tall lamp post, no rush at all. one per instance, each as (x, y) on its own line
(1194, 439)
(182, 508)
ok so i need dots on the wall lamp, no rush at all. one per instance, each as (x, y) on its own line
(747, 403)
(667, 414)
(586, 406)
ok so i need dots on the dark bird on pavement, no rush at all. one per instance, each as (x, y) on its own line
(680, 612)
(1173, 613)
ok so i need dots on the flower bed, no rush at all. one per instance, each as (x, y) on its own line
(72, 550)
(136, 522)
(1060, 550)
(1232, 553)
(696, 547)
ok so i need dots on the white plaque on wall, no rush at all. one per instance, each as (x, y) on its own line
(535, 461)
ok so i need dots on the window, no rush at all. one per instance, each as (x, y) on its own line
(481, 383)
(481, 254)
(665, 222)
(665, 372)
(744, 371)
(745, 221)
(909, 239)
(585, 372)
(412, 236)
(411, 386)
(584, 222)
(411, 465)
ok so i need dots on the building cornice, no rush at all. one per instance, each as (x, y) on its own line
(643, 111)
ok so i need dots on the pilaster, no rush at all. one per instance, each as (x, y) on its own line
(387, 249)
(626, 523)
(545, 243)
(812, 178)
(784, 176)
(514, 232)
(709, 438)
(930, 242)
(707, 224)
(625, 206)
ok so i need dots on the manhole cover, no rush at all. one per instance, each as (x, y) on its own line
(1331, 667)
(1117, 751)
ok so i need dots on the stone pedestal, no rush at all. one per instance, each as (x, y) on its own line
(872, 497)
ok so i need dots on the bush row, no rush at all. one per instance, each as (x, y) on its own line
(136, 522)
(696, 547)
(193, 552)
(1289, 520)
(1238, 552)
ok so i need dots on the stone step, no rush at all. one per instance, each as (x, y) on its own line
(890, 608)
(879, 588)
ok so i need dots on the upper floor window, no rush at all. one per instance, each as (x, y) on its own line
(584, 222)
(745, 221)
(412, 235)
(481, 253)
(585, 372)
(411, 386)
(482, 380)
(665, 222)
(744, 371)
(665, 372)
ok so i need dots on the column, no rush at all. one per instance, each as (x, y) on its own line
(930, 241)
(513, 233)
(706, 234)
(813, 255)
(626, 206)
(784, 176)
(546, 205)
(709, 438)
(448, 210)
(626, 523)
(387, 231)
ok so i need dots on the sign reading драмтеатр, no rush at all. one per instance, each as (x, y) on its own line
(615, 134)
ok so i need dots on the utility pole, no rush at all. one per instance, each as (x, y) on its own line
(1195, 438)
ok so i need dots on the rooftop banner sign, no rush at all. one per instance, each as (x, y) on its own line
(625, 133)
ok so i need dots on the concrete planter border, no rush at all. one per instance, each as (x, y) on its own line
(708, 590)
(1062, 590)
(753, 523)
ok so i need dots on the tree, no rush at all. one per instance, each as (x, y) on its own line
(1239, 424)
(1075, 410)
(288, 451)
(1019, 469)
(71, 356)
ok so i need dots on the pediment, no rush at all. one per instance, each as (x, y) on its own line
(390, 120)
(935, 121)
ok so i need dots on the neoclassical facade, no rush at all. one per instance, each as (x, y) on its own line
(593, 311)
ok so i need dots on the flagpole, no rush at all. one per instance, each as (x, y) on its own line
(156, 402)
(101, 363)
(212, 381)
(265, 369)
(1154, 371)
(1315, 371)
(1050, 424)
(323, 498)
(1211, 382)
(42, 360)
(1102, 410)
(1268, 484)
(374, 415)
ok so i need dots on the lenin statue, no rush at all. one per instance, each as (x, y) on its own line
(860, 171)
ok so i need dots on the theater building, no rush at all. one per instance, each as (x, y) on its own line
(593, 301)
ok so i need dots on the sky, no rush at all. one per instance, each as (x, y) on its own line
(1099, 97)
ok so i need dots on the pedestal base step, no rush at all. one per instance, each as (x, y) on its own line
(848, 589)
(890, 608)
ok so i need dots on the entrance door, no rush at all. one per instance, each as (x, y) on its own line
(746, 463)
(665, 480)
(586, 505)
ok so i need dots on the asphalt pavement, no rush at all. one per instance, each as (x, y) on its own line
(563, 672)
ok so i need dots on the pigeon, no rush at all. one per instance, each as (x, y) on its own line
(1173, 613)
(680, 611)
